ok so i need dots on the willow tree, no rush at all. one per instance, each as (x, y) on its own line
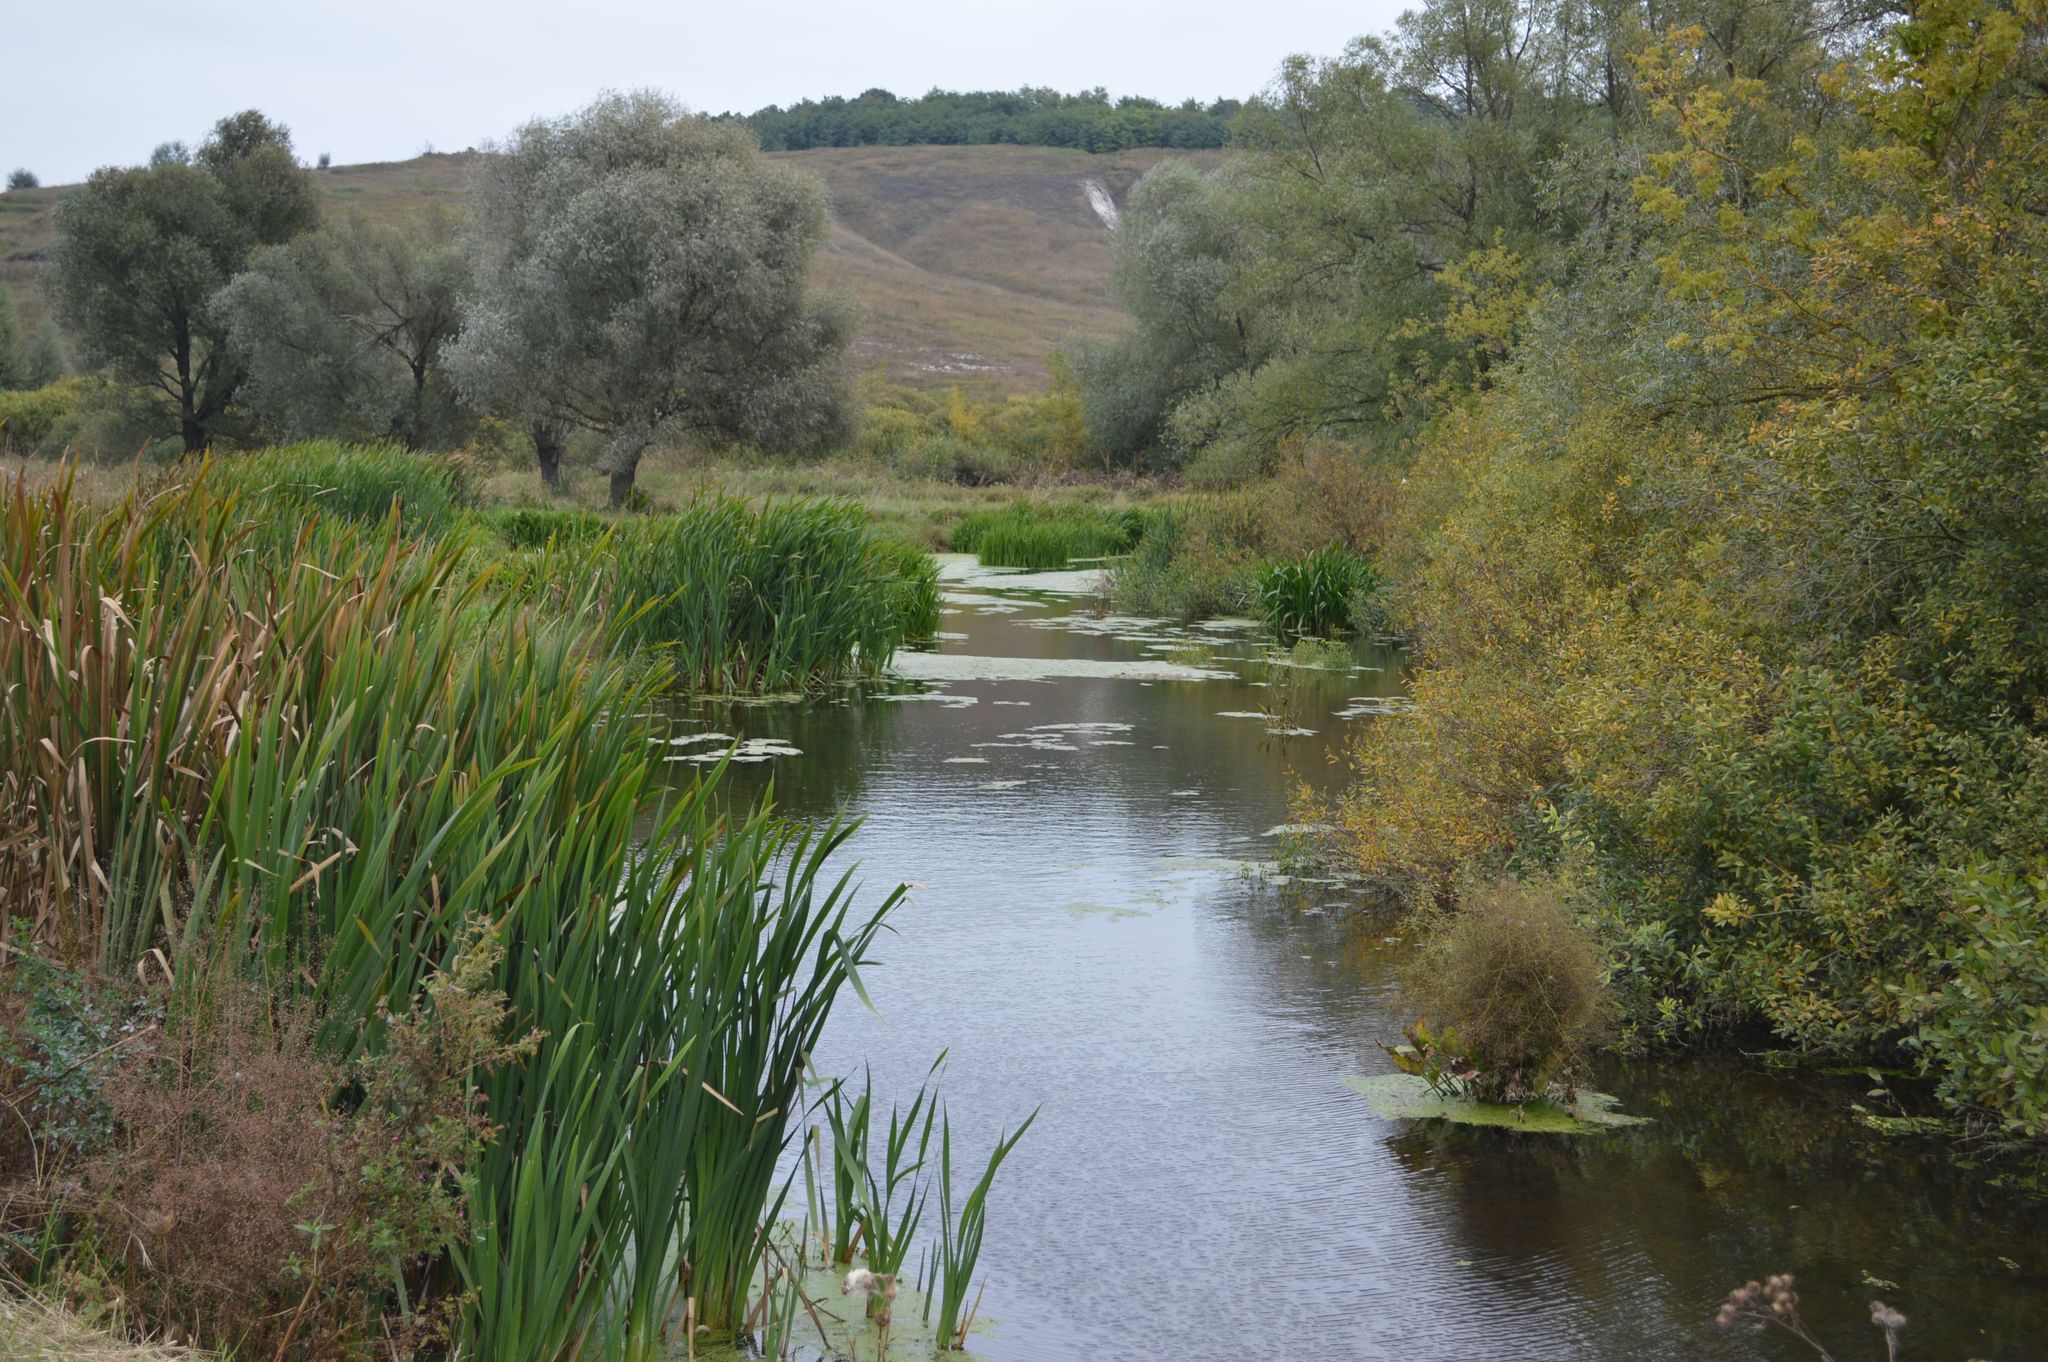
(1175, 258)
(343, 330)
(642, 275)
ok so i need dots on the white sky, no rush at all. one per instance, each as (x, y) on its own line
(97, 82)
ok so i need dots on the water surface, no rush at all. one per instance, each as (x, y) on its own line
(1096, 932)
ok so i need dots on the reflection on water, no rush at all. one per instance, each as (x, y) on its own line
(1200, 1183)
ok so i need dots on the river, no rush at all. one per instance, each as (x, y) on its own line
(1088, 808)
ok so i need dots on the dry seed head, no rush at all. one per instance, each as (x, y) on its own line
(1886, 1318)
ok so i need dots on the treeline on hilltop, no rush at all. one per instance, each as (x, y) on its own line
(1683, 367)
(1087, 121)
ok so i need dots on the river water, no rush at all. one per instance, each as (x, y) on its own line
(1088, 808)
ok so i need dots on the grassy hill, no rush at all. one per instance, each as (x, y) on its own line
(971, 263)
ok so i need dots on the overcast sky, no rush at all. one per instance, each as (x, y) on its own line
(98, 82)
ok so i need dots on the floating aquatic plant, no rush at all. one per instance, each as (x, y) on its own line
(1409, 1097)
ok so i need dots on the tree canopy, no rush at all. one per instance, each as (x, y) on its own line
(140, 253)
(1696, 354)
(343, 331)
(644, 273)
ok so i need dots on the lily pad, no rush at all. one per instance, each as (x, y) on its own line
(1406, 1097)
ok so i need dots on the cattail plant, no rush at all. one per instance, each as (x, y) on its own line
(960, 1232)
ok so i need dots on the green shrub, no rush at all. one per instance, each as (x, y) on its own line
(1519, 984)
(1983, 1015)
(29, 416)
(1197, 559)
(887, 431)
(1318, 595)
(948, 458)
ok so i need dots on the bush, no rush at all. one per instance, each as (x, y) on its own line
(947, 458)
(953, 437)
(30, 416)
(23, 178)
(270, 1197)
(1519, 984)
(1983, 1016)
(1201, 557)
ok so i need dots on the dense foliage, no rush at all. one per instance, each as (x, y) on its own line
(1699, 356)
(1088, 121)
(642, 274)
(343, 329)
(140, 253)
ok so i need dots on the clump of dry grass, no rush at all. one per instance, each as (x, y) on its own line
(1519, 985)
(33, 1330)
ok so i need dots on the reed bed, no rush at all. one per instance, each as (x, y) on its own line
(536, 527)
(793, 596)
(1319, 595)
(357, 484)
(1040, 537)
(224, 751)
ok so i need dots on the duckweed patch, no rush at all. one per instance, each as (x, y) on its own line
(1407, 1097)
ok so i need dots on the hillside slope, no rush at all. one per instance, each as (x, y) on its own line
(970, 263)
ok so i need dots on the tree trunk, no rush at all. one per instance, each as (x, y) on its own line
(189, 422)
(547, 451)
(622, 461)
(622, 483)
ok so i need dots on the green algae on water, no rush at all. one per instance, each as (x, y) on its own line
(1407, 1097)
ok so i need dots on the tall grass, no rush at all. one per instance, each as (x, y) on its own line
(793, 596)
(357, 484)
(316, 769)
(534, 527)
(1039, 537)
(1319, 594)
